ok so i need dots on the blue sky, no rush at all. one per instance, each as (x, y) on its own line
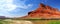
(16, 8)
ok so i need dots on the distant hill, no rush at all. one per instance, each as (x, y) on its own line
(43, 12)
(2, 17)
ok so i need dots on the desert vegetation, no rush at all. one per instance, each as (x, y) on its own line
(10, 21)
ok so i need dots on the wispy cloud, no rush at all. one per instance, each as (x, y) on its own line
(21, 4)
(25, 6)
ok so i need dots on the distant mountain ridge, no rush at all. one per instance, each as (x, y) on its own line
(2, 17)
(44, 11)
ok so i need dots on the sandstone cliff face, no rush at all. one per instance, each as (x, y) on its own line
(44, 11)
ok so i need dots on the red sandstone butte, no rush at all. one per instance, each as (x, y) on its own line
(44, 11)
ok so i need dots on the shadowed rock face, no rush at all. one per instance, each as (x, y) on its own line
(44, 11)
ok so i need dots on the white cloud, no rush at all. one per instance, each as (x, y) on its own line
(9, 5)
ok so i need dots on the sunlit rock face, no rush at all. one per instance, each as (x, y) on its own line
(44, 11)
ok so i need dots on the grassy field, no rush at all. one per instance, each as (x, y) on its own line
(9, 21)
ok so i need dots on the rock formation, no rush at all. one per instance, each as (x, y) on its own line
(44, 11)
